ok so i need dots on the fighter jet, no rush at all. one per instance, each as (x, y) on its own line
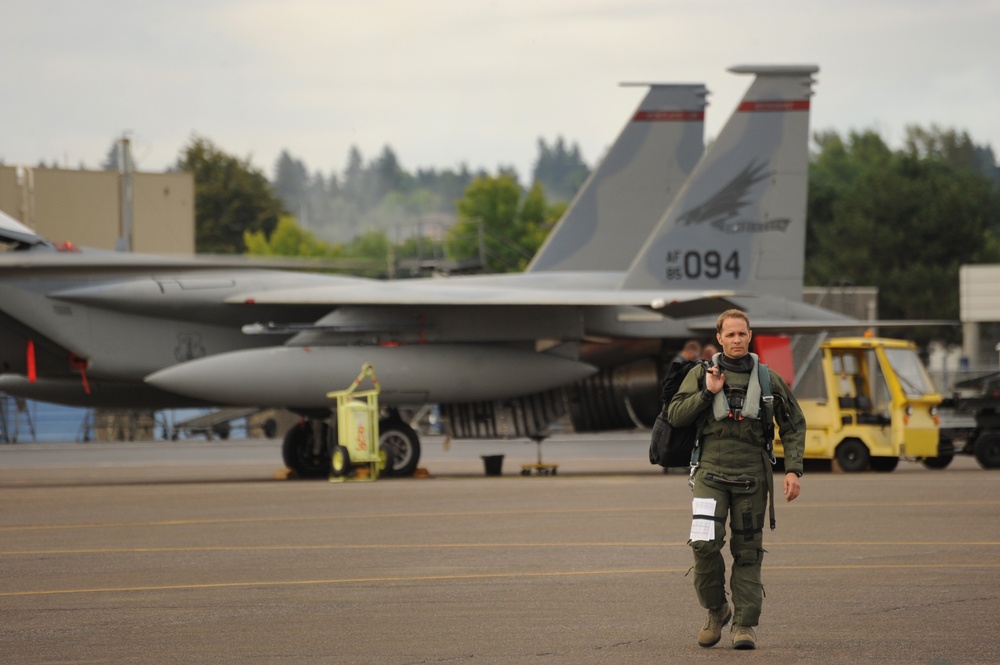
(607, 222)
(504, 355)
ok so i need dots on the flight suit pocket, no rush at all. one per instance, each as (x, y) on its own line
(742, 484)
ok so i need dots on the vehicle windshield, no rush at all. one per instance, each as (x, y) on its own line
(910, 372)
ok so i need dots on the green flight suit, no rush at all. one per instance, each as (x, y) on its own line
(732, 480)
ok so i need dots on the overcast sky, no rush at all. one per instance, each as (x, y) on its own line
(450, 82)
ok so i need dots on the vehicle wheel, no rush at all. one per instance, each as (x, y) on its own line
(939, 462)
(988, 451)
(852, 456)
(340, 461)
(384, 460)
(270, 428)
(884, 464)
(946, 453)
(402, 444)
(304, 453)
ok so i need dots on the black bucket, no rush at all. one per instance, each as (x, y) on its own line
(493, 464)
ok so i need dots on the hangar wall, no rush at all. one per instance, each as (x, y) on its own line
(84, 207)
(979, 311)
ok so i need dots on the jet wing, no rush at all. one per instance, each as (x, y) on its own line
(779, 316)
(429, 292)
(100, 261)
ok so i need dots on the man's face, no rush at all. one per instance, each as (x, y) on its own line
(735, 337)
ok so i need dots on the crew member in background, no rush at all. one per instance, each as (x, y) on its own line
(690, 351)
(733, 478)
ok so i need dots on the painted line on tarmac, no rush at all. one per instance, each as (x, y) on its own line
(685, 508)
(479, 576)
(355, 516)
(427, 546)
(897, 504)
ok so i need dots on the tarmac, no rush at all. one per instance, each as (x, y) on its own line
(193, 552)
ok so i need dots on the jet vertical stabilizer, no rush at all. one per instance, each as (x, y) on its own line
(620, 203)
(739, 221)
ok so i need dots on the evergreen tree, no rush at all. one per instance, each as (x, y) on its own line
(560, 170)
(110, 162)
(290, 182)
(354, 179)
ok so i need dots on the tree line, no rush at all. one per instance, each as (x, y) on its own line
(902, 220)
(380, 195)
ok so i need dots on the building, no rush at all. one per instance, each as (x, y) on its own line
(91, 208)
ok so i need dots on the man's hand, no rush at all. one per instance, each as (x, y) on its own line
(714, 379)
(792, 487)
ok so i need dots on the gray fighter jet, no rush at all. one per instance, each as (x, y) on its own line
(504, 355)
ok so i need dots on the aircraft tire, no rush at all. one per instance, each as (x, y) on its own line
(852, 456)
(298, 453)
(402, 444)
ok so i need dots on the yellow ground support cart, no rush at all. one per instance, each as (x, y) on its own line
(357, 454)
(878, 405)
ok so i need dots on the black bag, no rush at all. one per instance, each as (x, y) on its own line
(671, 446)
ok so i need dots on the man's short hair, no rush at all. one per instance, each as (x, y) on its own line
(731, 314)
(693, 345)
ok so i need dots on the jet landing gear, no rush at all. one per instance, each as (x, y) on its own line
(401, 442)
(308, 446)
(306, 449)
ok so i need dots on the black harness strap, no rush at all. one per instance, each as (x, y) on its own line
(748, 534)
(710, 517)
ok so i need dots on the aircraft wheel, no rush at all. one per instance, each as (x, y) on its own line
(340, 461)
(884, 464)
(988, 451)
(852, 455)
(402, 445)
(303, 453)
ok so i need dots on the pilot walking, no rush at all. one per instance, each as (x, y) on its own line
(732, 480)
